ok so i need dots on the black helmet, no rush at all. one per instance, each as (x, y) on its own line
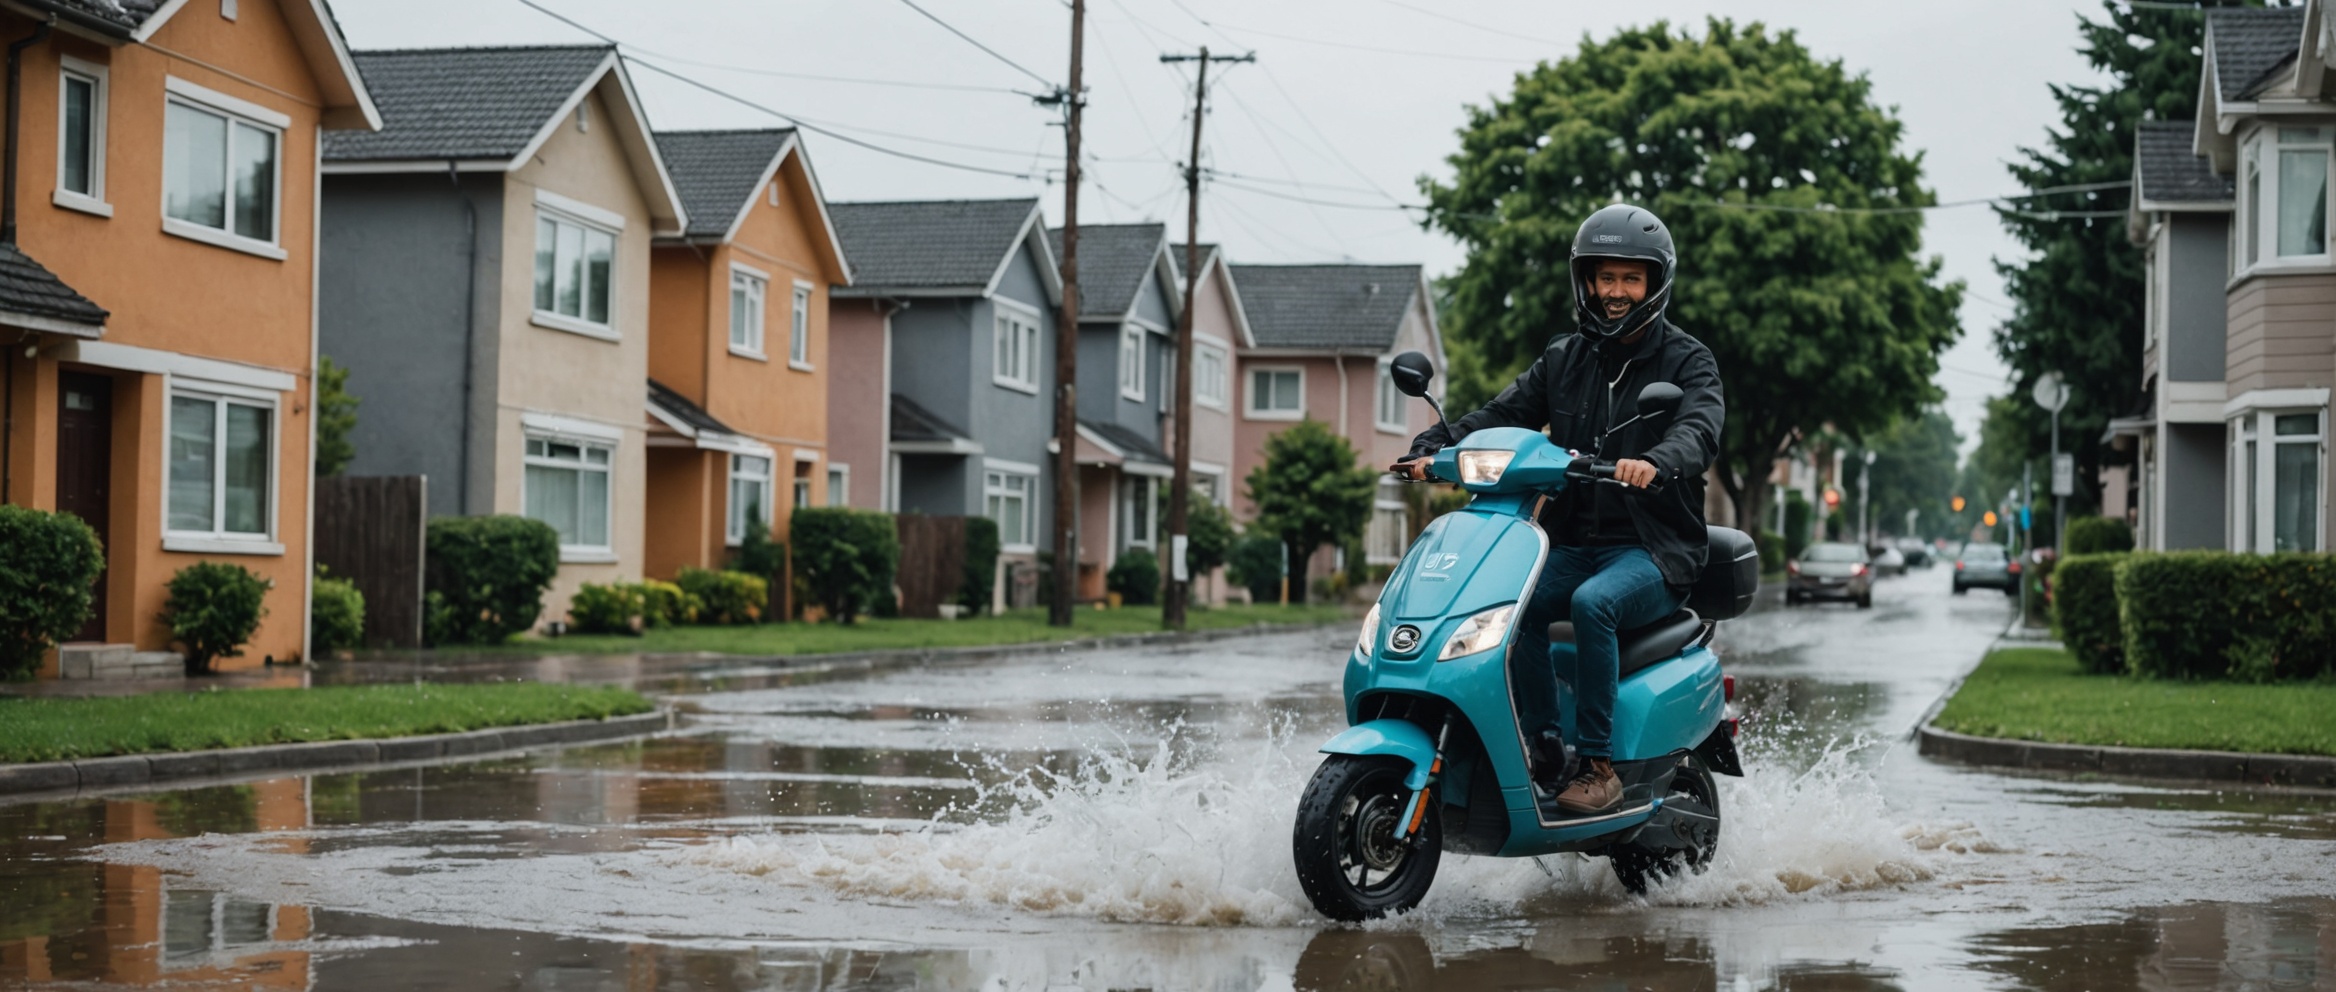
(1627, 232)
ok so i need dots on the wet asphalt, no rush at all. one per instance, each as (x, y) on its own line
(1120, 820)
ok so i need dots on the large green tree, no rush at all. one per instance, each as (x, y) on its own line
(1310, 492)
(1745, 144)
(2077, 297)
(1914, 469)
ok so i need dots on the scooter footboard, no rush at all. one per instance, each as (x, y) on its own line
(1396, 738)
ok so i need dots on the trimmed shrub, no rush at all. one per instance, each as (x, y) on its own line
(1135, 577)
(665, 604)
(486, 577)
(2098, 535)
(766, 559)
(1208, 530)
(1797, 512)
(846, 558)
(725, 597)
(48, 562)
(981, 565)
(2218, 615)
(1256, 563)
(212, 610)
(1771, 545)
(2084, 608)
(615, 608)
(336, 614)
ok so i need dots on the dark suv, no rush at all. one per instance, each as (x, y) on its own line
(1986, 565)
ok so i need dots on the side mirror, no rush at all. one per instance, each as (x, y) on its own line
(1659, 399)
(1412, 372)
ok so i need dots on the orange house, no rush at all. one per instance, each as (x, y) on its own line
(737, 336)
(160, 352)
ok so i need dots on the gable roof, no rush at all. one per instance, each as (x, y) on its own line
(33, 297)
(2248, 45)
(936, 246)
(2169, 172)
(720, 173)
(1327, 307)
(347, 103)
(1113, 261)
(911, 422)
(1213, 257)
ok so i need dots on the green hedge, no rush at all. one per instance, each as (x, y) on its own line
(1135, 577)
(614, 608)
(981, 564)
(2084, 608)
(725, 597)
(846, 558)
(48, 562)
(336, 614)
(1256, 563)
(485, 577)
(2218, 615)
(213, 609)
(2098, 535)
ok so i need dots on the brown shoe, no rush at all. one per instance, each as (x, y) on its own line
(1595, 788)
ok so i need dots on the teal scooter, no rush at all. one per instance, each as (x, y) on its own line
(1433, 759)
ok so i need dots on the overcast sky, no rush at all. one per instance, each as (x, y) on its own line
(1349, 103)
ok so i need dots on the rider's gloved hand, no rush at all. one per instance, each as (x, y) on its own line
(1414, 469)
(1634, 472)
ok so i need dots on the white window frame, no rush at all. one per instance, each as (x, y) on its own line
(733, 521)
(1131, 361)
(561, 210)
(993, 486)
(100, 81)
(1387, 399)
(2256, 248)
(575, 553)
(1209, 390)
(839, 484)
(2259, 493)
(1383, 504)
(235, 111)
(757, 285)
(799, 328)
(218, 540)
(800, 487)
(1146, 488)
(1007, 319)
(1249, 408)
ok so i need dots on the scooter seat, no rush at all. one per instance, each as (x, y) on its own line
(1643, 647)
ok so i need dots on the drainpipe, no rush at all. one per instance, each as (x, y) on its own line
(470, 324)
(40, 33)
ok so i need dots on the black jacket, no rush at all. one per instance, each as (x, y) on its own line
(1565, 392)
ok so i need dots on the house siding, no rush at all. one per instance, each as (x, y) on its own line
(1010, 424)
(2195, 477)
(857, 399)
(2282, 332)
(2197, 251)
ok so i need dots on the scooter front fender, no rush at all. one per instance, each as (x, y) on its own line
(1396, 738)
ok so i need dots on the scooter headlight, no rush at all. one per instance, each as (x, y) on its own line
(1369, 638)
(1481, 632)
(1484, 468)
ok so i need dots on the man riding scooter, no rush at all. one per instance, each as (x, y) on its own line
(1618, 559)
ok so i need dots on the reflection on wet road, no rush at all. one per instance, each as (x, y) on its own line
(1119, 820)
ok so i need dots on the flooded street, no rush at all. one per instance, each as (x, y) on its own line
(1121, 820)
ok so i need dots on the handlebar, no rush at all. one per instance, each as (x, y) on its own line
(1601, 470)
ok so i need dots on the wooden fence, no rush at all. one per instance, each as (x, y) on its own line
(932, 563)
(369, 529)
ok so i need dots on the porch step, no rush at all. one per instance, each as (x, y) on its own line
(91, 660)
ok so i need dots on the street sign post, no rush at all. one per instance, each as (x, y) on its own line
(2063, 477)
(2051, 393)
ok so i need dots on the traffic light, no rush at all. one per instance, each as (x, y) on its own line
(1956, 504)
(1832, 498)
(1988, 518)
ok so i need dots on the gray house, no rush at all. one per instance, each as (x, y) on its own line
(1128, 305)
(963, 294)
(2170, 482)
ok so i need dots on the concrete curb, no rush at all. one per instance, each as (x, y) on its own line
(2136, 762)
(176, 768)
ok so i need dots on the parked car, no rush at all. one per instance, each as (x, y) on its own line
(1831, 570)
(1916, 550)
(1986, 565)
(1890, 562)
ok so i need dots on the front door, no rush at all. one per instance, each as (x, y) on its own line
(85, 457)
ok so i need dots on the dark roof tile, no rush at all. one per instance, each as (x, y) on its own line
(680, 408)
(463, 103)
(1113, 261)
(928, 243)
(1130, 443)
(912, 422)
(127, 15)
(1358, 307)
(2249, 44)
(717, 172)
(29, 288)
(2169, 172)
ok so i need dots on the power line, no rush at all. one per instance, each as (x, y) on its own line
(815, 77)
(1221, 28)
(1487, 28)
(970, 40)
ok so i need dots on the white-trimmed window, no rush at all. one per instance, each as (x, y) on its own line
(750, 496)
(1009, 496)
(839, 484)
(1014, 349)
(567, 486)
(221, 467)
(2277, 473)
(1208, 375)
(575, 262)
(747, 291)
(799, 329)
(2283, 188)
(221, 178)
(1139, 515)
(81, 117)
(1384, 541)
(1276, 393)
(1388, 411)
(1131, 362)
(806, 463)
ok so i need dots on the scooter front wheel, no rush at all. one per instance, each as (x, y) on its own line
(1352, 856)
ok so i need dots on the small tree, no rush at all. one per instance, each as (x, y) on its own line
(48, 561)
(1135, 577)
(846, 558)
(213, 609)
(763, 558)
(1208, 530)
(981, 564)
(1310, 492)
(336, 418)
(486, 576)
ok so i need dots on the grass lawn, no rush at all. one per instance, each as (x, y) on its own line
(876, 634)
(2038, 694)
(46, 729)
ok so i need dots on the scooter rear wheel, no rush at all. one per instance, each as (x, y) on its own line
(1352, 858)
(1636, 866)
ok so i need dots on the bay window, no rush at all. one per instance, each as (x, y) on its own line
(222, 467)
(750, 496)
(2283, 188)
(2278, 471)
(567, 486)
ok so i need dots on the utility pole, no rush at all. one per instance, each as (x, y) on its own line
(1066, 347)
(1180, 486)
(1865, 481)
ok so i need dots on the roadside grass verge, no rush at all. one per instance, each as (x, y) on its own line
(2039, 694)
(880, 634)
(55, 729)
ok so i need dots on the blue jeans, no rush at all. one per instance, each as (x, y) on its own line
(1602, 589)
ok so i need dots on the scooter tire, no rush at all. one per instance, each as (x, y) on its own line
(1636, 866)
(1347, 829)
